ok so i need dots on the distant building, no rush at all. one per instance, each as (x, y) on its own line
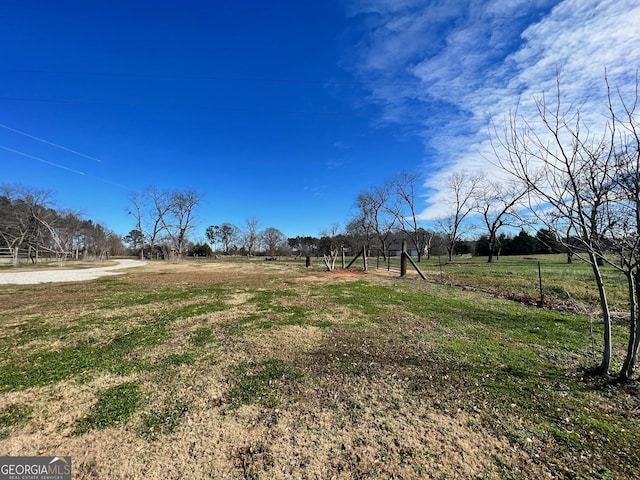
(395, 249)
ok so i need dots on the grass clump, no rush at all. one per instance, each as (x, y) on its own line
(114, 405)
(177, 359)
(13, 415)
(261, 382)
(201, 337)
(162, 421)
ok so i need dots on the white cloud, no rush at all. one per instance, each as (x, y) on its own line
(443, 70)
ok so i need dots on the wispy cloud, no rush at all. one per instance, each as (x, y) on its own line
(341, 145)
(443, 70)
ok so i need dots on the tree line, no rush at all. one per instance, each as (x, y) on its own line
(472, 202)
(31, 227)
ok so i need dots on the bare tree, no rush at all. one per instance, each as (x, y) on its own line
(251, 234)
(567, 171)
(138, 204)
(334, 247)
(374, 215)
(461, 191)
(166, 217)
(405, 210)
(622, 215)
(100, 242)
(497, 202)
(71, 232)
(273, 240)
(28, 222)
(25, 219)
(159, 206)
(182, 209)
(361, 225)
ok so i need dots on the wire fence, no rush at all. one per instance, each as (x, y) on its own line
(535, 279)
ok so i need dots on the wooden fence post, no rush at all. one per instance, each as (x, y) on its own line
(403, 259)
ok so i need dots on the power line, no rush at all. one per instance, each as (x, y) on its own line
(205, 107)
(215, 78)
(41, 160)
(51, 143)
(379, 81)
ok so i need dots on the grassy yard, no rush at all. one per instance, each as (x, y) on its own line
(249, 370)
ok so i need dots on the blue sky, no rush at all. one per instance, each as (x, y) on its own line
(283, 110)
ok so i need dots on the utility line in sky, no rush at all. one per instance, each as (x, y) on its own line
(175, 105)
(207, 77)
(41, 160)
(51, 143)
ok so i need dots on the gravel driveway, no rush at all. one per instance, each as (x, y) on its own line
(49, 276)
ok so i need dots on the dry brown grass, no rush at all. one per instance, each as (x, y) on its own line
(362, 406)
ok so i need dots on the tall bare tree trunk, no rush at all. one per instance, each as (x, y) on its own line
(628, 365)
(604, 366)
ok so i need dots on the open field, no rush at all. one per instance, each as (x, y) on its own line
(266, 370)
(567, 286)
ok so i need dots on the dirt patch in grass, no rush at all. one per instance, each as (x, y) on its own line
(339, 272)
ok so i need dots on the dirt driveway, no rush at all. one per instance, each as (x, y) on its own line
(56, 276)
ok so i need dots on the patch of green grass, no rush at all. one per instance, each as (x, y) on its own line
(272, 314)
(568, 437)
(125, 297)
(37, 329)
(261, 382)
(603, 426)
(265, 321)
(177, 359)
(114, 405)
(51, 366)
(602, 473)
(365, 297)
(518, 275)
(201, 337)
(13, 415)
(114, 281)
(265, 298)
(162, 421)
(32, 329)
